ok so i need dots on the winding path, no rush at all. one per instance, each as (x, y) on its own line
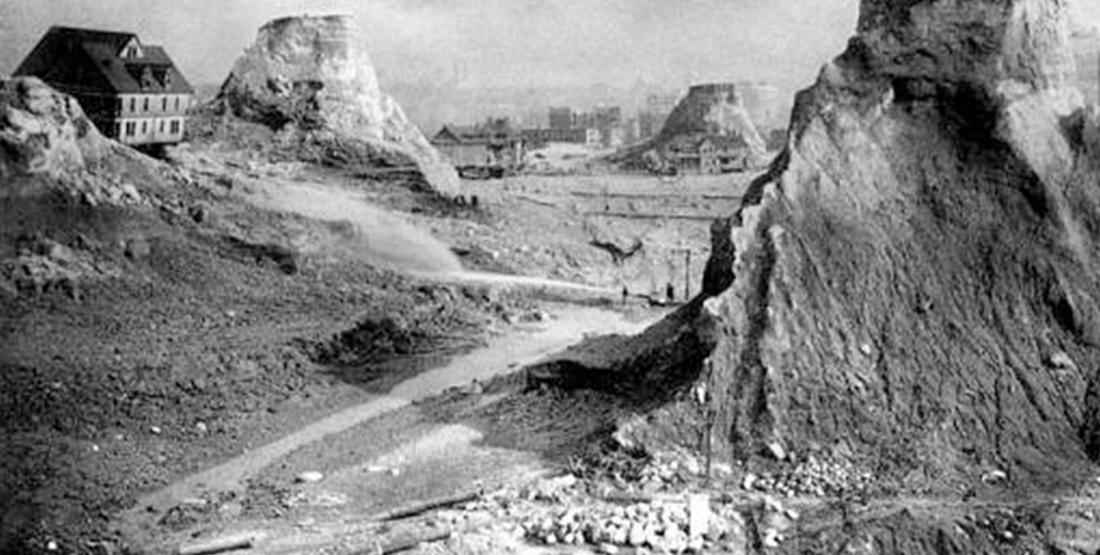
(501, 355)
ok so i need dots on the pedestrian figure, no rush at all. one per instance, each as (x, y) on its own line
(670, 292)
(626, 293)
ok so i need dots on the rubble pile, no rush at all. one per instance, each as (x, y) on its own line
(815, 476)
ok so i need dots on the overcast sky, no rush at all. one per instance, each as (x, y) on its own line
(491, 42)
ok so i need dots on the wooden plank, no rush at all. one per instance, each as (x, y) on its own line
(425, 506)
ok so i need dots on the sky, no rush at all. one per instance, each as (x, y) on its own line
(485, 42)
(522, 43)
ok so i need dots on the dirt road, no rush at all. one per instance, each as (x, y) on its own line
(502, 354)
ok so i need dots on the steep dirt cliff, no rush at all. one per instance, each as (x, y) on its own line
(311, 79)
(912, 286)
(916, 275)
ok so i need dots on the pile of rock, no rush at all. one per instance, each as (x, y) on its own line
(664, 472)
(96, 190)
(815, 476)
(42, 265)
(665, 526)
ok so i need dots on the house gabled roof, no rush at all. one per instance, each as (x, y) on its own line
(725, 142)
(91, 60)
(494, 133)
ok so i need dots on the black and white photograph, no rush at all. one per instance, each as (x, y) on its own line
(549, 277)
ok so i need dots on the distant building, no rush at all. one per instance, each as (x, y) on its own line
(708, 154)
(489, 149)
(661, 104)
(130, 90)
(538, 138)
(656, 111)
(562, 118)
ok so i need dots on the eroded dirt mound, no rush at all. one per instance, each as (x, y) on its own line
(43, 131)
(918, 271)
(310, 79)
(913, 285)
(710, 116)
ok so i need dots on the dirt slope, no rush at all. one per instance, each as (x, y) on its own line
(153, 321)
(915, 280)
(913, 284)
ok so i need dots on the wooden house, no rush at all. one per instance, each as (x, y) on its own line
(133, 92)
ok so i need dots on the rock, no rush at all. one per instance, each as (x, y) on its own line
(137, 248)
(1061, 361)
(309, 477)
(994, 477)
(771, 538)
(130, 192)
(674, 540)
(699, 514)
(309, 78)
(637, 534)
(620, 536)
(749, 481)
(59, 253)
(43, 131)
(607, 549)
(776, 450)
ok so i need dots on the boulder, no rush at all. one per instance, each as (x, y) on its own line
(311, 79)
(43, 131)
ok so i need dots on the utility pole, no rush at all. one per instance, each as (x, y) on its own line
(687, 271)
(687, 275)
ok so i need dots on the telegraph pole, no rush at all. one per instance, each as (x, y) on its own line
(687, 271)
(687, 275)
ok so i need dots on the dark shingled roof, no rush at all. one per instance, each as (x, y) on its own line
(89, 60)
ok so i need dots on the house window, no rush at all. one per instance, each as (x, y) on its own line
(177, 103)
(144, 127)
(133, 104)
(162, 126)
(131, 128)
(175, 127)
(145, 105)
(164, 104)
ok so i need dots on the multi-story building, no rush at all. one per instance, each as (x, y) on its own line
(656, 111)
(130, 90)
(562, 118)
(486, 150)
(708, 154)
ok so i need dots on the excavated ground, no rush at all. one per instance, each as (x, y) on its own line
(177, 337)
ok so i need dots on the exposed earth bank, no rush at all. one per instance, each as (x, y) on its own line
(310, 82)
